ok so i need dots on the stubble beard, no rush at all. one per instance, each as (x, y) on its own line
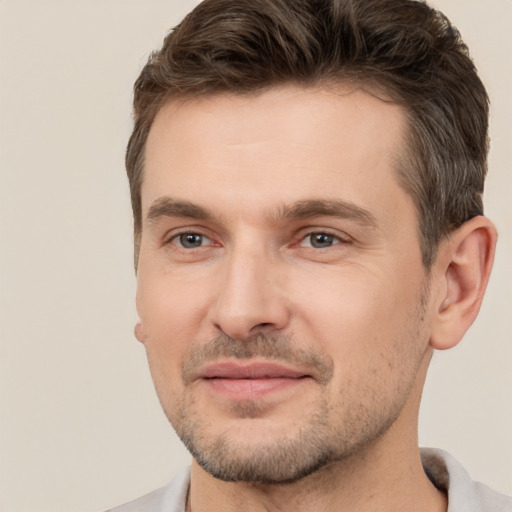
(285, 458)
(293, 454)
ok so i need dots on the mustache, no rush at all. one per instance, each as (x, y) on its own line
(272, 347)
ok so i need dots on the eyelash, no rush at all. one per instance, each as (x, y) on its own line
(178, 238)
(336, 239)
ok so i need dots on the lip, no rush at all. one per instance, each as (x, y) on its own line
(250, 381)
(251, 370)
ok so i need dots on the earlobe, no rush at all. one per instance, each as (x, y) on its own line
(464, 264)
(139, 332)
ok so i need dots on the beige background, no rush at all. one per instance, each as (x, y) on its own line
(80, 427)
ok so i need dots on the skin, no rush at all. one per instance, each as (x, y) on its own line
(301, 236)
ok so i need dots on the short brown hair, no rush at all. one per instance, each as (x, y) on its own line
(402, 47)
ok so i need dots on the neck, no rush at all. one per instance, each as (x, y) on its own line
(369, 483)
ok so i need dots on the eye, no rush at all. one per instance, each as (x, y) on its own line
(191, 240)
(320, 240)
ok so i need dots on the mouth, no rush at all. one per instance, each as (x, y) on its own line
(252, 380)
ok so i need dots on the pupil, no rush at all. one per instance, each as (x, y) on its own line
(190, 240)
(322, 240)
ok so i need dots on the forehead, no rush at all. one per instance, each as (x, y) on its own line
(278, 146)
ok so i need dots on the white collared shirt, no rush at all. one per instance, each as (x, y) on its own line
(464, 495)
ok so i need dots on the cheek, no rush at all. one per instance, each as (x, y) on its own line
(370, 327)
(172, 312)
(172, 305)
(357, 315)
(164, 311)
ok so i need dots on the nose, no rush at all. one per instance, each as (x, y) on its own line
(251, 298)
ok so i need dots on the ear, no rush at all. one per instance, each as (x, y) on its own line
(139, 332)
(463, 265)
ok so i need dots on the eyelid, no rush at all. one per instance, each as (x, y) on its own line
(304, 233)
(175, 233)
(309, 238)
(175, 240)
(297, 239)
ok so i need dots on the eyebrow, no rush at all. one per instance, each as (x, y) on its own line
(168, 207)
(328, 208)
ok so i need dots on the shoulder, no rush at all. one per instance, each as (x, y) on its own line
(464, 494)
(171, 498)
(151, 502)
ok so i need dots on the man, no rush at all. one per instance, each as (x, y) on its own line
(306, 181)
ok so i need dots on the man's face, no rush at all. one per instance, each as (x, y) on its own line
(280, 286)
